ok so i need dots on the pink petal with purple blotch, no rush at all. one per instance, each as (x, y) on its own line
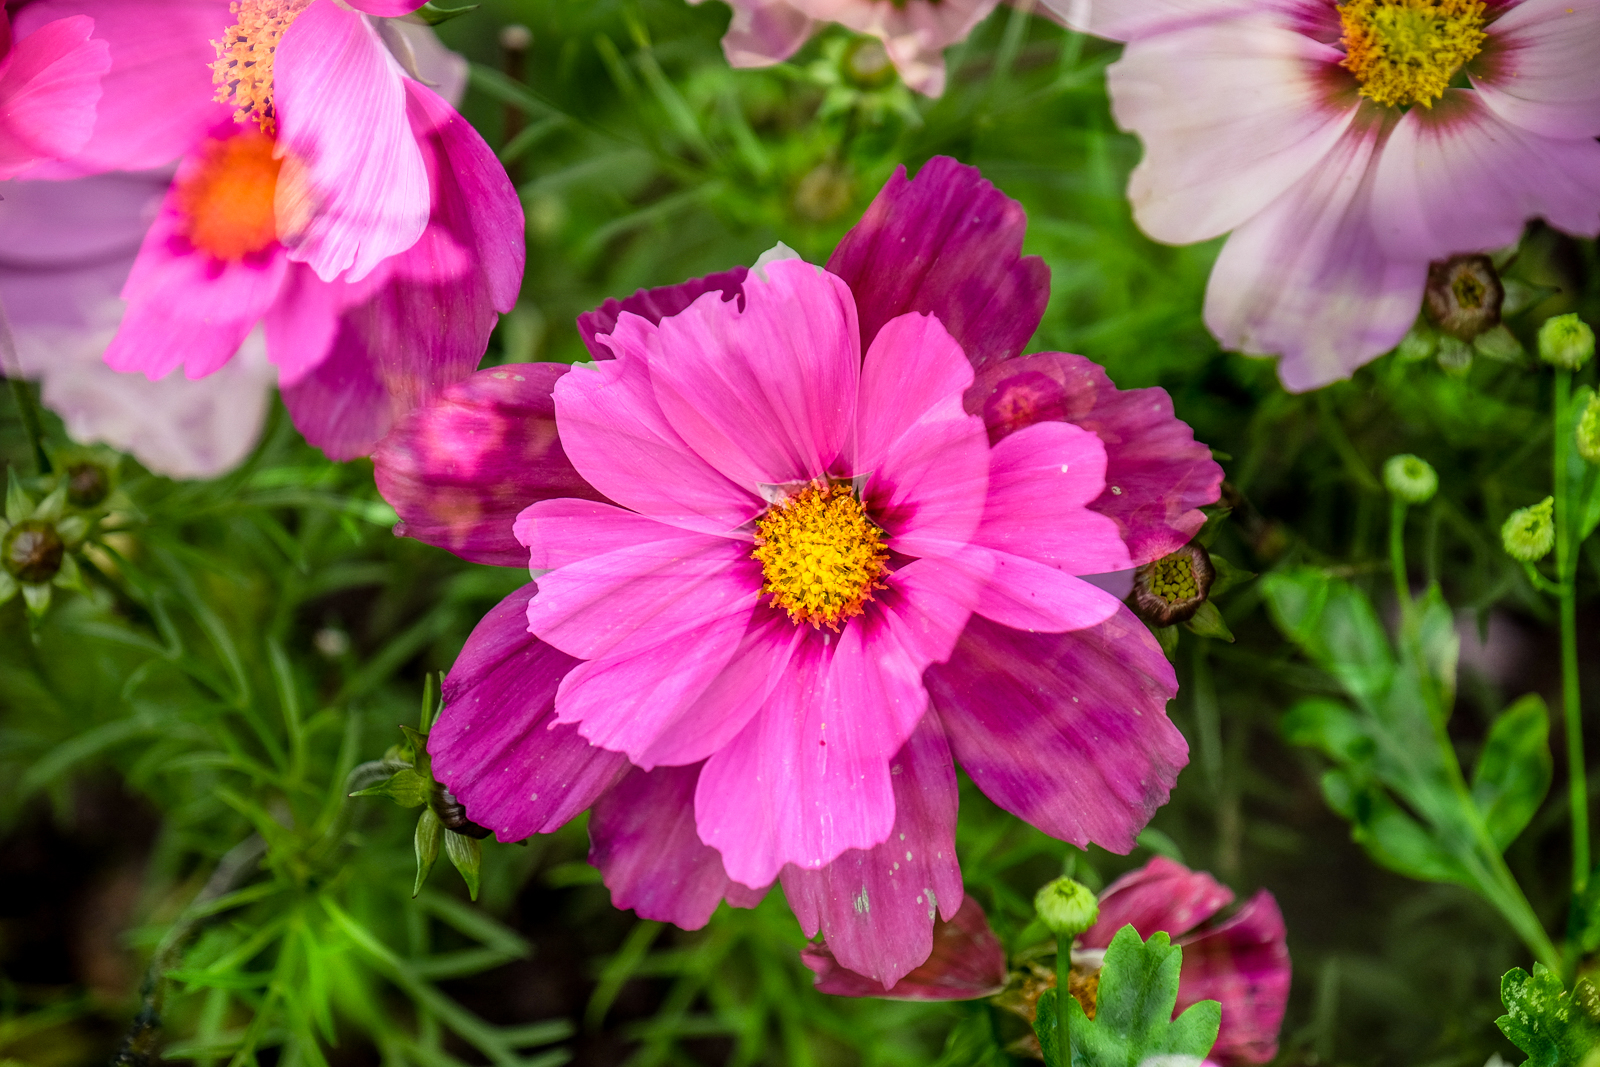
(1457, 178)
(459, 470)
(876, 907)
(1157, 475)
(1067, 731)
(1308, 279)
(496, 745)
(924, 458)
(643, 840)
(947, 244)
(1231, 114)
(620, 442)
(653, 305)
(157, 97)
(49, 86)
(1162, 895)
(767, 395)
(764, 32)
(1538, 69)
(1244, 964)
(967, 962)
(354, 180)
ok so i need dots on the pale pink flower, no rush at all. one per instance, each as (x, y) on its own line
(1341, 158)
(49, 85)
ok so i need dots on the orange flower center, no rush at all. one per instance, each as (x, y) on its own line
(242, 71)
(1406, 52)
(227, 202)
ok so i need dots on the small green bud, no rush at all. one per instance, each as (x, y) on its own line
(87, 484)
(1066, 907)
(1566, 341)
(1530, 533)
(1588, 431)
(1410, 478)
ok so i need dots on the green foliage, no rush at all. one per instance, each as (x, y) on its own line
(1555, 1028)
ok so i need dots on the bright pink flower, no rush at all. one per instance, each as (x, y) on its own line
(915, 33)
(295, 206)
(1340, 158)
(1243, 962)
(49, 85)
(723, 744)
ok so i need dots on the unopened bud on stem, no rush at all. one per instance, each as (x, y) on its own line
(1410, 478)
(1566, 341)
(1530, 533)
(1067, 908)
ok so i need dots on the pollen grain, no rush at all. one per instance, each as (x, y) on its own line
(243, 69)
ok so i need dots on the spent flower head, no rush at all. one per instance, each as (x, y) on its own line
(1410, 478)
(1530, 533)
(1566, 341)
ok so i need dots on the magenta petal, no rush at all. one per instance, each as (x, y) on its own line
(49, 85)
(458, 470)
(354, 182)
(1162, 895)
(1024, 594)
(643, 840)
(496, 745)
(948, 244)
(386, 8)
(1538, 71)
(1157, 475)
(875, 907)
(1244, 964)
(653, 305)
(1067, 731)
(767, 395)
(968, 962)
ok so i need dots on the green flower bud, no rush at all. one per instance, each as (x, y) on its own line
(1566, 341)
(1066, 907)
(1588, 431)
(32, 551)
(1530, 533)
(1410, 478)
(87, 484)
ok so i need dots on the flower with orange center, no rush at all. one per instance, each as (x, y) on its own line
(226, 204)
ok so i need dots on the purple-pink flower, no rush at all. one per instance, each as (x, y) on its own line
(914, 33)
(49, 85)
(805, 537)
(1348, 145)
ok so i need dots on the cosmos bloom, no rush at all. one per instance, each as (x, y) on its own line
(736, 715)
(915, 33)
(294, 206)
(1348, 145)
(49, 85)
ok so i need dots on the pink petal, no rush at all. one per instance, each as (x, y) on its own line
(1231, 114)
(764, 32)
(458, 470)
(925, 458)
(642, 837)
(49, 85)
(948, 244)
(876, 907)
(1162, 895)
(1538, 70)
(1067, 731)
(1307, 278)
(1457, 178)
(653, 305)
(620, 442)
(157, 97)
(627, 583)
(967, 962)
(359, 183)
(386, 8)
(767, 396)
(1024, 594)
(1129, 20)
(914, 35)
(496, 745)
(1244, 964)
(1157, 475)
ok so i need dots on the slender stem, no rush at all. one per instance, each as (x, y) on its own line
(1063, 994)
(28, 409)
(1566, 574)
(1397, 555)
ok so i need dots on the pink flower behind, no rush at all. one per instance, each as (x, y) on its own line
(1341, 157)
(49, 86)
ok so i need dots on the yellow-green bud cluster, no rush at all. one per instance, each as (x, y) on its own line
(1530, 533)
(1066, 908)
(1410, 478)
(1566, 341)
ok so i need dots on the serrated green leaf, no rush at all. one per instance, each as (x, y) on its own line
(1554, 1028)
(1514, 769)
(427, 846)
(1207, 622)
(467, 856)
(406, 788)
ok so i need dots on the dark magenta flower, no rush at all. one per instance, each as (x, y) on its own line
(807, 537)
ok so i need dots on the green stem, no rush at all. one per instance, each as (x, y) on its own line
(1397, 554)
(31, 424)
(1566, 573)
(1063, 994)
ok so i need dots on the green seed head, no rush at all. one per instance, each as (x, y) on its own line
(1530, 533)
(1410, 478)
(1588, 431)
(1566, 341)
(1066, 907)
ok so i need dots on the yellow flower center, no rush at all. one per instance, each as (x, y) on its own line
(242, 71)
(227, 202)
(1406, 51)
(1172, 578)
(821, 557)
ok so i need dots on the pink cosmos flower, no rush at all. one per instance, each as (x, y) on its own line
(49, 85)
(296, 205)
(915, 33)
(736, 716)
(1344, 156)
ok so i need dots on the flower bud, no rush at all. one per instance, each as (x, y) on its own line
(1171, 589)
(1530, 533)
(1588, 431)
(1066, 907)
(32, 551)
(1410, 478)
(1566, 341)
(1463, 295)
(87, 484)
(867, 64)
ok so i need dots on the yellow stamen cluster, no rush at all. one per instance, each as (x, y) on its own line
(1406, 51)
(1172, 579)
(242, 71)
(821, 557)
